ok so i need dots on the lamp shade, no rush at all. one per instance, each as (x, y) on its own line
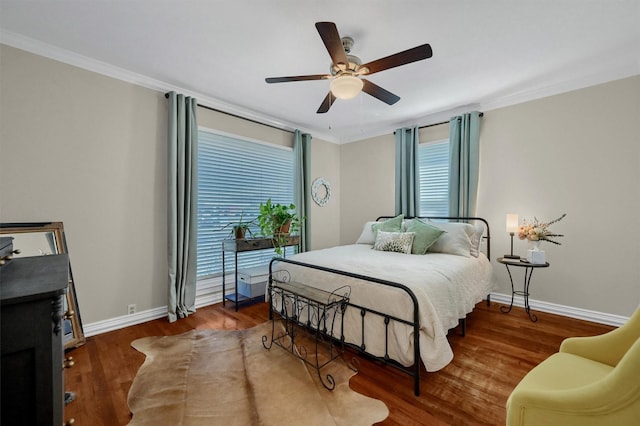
(512, 222)
(346, 86)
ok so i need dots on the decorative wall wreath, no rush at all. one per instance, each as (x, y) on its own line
(318, 198)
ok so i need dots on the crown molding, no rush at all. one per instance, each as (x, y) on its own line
(62, 55)
(593, 79)
(604, 76)
(90, 64)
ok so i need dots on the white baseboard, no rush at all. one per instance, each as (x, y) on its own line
(207, 299)
(123, 321)
(566, 311)
(117, 323)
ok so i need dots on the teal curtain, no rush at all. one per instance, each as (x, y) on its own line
(407, 172)
(302, 184)
(464, 155)
(182, 189)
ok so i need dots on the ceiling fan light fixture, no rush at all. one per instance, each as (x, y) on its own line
(346, 87)
(346, 69)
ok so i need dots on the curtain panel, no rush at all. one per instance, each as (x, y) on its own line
(302, 183)
(182, 203)
(464, 155)
(407, 187)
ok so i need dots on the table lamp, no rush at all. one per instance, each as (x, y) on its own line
(512, 228)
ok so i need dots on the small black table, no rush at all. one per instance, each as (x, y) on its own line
(528, 272)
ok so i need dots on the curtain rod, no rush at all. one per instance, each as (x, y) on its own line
(444, 122)
(438, 124)
(166, 95)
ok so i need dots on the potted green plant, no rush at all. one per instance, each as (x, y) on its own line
(278, 221)
(240, 228)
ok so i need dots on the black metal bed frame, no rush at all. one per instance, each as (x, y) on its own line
(414, 370)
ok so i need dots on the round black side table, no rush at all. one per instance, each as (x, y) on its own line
(528, 272)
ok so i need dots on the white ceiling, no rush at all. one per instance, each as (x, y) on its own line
(486, 54)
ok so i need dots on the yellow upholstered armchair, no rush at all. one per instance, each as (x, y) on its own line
(591, 381)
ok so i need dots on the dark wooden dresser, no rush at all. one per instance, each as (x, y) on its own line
(31, 290)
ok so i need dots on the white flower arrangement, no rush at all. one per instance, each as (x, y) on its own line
(538, 231)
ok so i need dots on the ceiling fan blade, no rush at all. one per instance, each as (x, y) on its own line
(418, 53)
(297, 78)
(379, 93)
(326, 103)
(329, 34)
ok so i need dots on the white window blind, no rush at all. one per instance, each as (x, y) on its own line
(234, 177)
(434, 178)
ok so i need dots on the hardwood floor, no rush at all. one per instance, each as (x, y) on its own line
(497, 351)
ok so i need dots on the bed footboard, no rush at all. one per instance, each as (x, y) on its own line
(367, 312)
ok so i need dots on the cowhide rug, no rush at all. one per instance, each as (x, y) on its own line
(216, 377)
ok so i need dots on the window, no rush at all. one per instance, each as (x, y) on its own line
(234, 177)
(434, 178)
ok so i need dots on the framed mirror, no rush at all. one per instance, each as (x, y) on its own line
(42, 239)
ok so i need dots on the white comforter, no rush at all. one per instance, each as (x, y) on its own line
(447, 288)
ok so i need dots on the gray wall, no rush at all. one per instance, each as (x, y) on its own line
(88, 150)
(576, 153)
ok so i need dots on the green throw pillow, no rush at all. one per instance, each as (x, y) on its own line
(426, 235)
(389, 225)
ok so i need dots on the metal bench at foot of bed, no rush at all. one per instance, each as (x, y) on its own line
(302, 307)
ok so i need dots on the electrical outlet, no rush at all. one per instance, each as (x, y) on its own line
(131, 309)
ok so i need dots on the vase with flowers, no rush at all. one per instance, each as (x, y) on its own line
(536, 232)
(539, 231)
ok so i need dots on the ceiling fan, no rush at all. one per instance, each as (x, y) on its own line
(346, 69)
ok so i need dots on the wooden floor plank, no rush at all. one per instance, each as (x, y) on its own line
(498, 350)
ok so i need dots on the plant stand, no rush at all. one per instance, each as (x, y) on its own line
(240, 246)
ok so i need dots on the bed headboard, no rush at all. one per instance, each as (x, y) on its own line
(486, 235)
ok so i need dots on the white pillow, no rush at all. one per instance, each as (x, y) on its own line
(400, 242)
(367, 236)
(476, 240)
(456, 240)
